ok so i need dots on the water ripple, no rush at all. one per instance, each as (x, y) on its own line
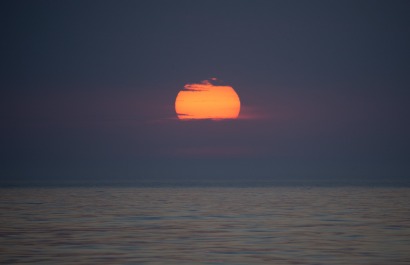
(205, 226)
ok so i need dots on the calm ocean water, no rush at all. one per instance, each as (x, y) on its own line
(279, 225)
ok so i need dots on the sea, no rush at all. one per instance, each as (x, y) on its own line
(205, 225)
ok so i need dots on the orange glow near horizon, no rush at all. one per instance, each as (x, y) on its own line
(207, 101)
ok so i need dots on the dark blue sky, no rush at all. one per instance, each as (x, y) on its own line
(88, 90)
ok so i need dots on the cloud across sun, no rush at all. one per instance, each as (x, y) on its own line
(205, 100)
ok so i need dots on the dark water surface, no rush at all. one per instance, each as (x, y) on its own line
(205, 225)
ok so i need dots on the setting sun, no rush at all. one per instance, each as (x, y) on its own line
(207, 101)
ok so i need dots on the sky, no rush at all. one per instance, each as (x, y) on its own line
(87, 91)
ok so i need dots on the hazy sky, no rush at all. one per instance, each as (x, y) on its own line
(88, 90)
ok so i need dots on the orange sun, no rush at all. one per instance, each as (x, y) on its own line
(207, 101)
